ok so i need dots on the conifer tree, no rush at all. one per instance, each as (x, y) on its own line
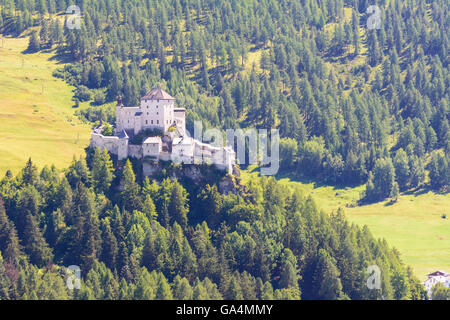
(34, 243)
(131, 194)
(102, 170)
(178, 207)
(110, 247)
(34, 44)
(327, 284)
(9, 242)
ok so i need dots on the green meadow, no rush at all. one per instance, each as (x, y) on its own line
(414, 224)
(36, 110)
(37, 120)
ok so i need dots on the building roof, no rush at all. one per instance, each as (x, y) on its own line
(122, 135)
(439, 273)
(157, 94)
(153, 140)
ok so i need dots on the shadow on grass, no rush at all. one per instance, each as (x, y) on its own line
(295, 177)
(62, 58)
(390, 203)
(423, 190)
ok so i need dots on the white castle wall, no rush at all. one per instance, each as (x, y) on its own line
(125, 118)
(157, 114)
(160, 114)
(100, 141)
(151, 149)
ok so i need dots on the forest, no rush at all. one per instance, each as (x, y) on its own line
(153, 239)
(354, 106)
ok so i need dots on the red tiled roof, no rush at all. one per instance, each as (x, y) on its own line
(157, 94)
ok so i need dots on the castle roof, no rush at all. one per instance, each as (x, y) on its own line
(157, 94)
(122, 135)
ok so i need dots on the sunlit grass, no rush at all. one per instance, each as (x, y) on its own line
(414, 224)
(36, 111)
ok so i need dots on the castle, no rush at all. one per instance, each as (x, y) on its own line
(168, 141)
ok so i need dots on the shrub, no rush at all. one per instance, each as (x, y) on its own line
(83, 93)
(99, 98)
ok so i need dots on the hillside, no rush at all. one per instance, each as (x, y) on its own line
(363, 114)
(36, 110)
(414, 224)
(172, 241)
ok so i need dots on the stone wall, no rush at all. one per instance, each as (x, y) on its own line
(100, 141)
(135, 151)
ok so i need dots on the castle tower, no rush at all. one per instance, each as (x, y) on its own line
(158, 109)
(126, 118)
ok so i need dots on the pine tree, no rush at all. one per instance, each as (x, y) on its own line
(234, 291)
(131, 194)
(149, 209)
(102, 170)
(123, 265)
(30, 174)
(78, 172)
(110, 248)
(211, 205)
(439, 171)
(267, 293)
(6, 286)
(178, 208)
(326, 282)
(34, 44)
(381, 183)
(163, 292)
(402, 169)
(35, 245)
(182, 289)
(9, 242)
(288, 276)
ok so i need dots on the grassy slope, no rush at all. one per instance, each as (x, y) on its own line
(36, 113)
(29, 121)
(413, 225)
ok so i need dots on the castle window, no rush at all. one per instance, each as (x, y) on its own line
(157, 121)
(152, 121)
(146, 121)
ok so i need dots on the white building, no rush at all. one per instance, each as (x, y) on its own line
(435, 278)
(159, 111)
(152, 147)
